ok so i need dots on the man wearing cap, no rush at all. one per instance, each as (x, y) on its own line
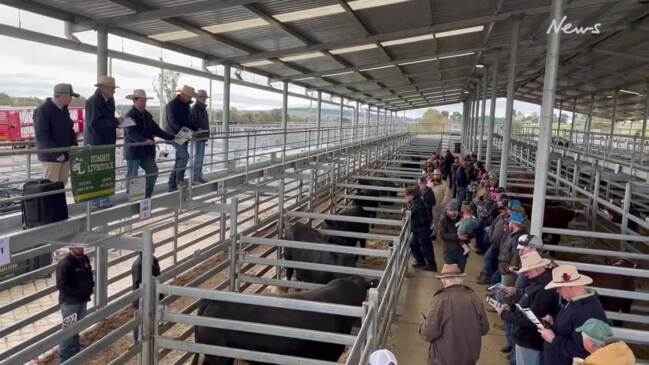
(201, 124)
(143, 132)
(453, 251)
(595, 336)
(54, 129)
(562, 341)
(101, 124)
(456, 322)
(75, 284)
(507, 257)
(421, 245)
(178, 116)
(529, 343)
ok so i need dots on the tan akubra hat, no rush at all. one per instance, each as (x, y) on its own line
(187, 90)
(567, 275)
(532, 261)
(106, 81)
(138, 94)
(450, 271)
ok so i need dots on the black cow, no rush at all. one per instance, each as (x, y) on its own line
(302, 232)
(553, 217)
(354, 211)
(348, 291)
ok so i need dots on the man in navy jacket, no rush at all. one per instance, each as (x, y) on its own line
(179, 116)
(144, 130)
(54, 129)
(101, 123)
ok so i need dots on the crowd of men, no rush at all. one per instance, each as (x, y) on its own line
(55, 134)
(572, 323)
(54, 131)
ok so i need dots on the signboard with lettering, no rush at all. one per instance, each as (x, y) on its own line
(92, 173)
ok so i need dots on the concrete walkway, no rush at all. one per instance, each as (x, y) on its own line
(416, 295)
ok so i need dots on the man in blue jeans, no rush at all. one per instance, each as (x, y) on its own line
(200, 124)
(179, 116)
(453, 252)
(75, 284)
(144, 130)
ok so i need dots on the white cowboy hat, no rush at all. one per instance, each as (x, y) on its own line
(531, 261)
(567, 275)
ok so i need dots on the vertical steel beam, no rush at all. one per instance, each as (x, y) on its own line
(609, 142)
(509, 111)
(318, 120)
(355, 125)
(545, 125)
(148, 297)
(644, 124)
(284, 119)
(341, 130)
(492, 112)
(482, 117)
(101, 254)
(465, 125)
(559, 121)
(574, 119)
(226, 114)
(589, 123)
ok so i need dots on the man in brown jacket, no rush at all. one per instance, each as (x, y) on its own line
(456, 322)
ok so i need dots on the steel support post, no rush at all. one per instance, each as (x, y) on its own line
(492, 112)
(148, 298)
(626, 206)
(226, 114)
(589, 123)
(101, 253)
(574, 119)
(471, 121)
(355, 125)
(318, 120)
(476, 120)
(594, 208)
(234, 247)
(559, 121)
(341, 130)
(609, 142)
(465, 125)
(545, 125)
(482, 117)
(644, 125)
(509, 111)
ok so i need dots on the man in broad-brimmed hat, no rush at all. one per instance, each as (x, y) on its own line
(101, 123)
(144, 131)
(581, 304)
(456, 322)
(54, 129)
(75, 284)
(529, 343)
(200, 124)
(179, 116)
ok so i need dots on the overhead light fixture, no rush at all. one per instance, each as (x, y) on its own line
(257, 63)
(303, 56)
(375, 68)
(479, 65)
(353, 49)
(339, 73)
(455, 32)
(304, 78)
(457, 55)
(630, 92)
(419, 38)
(418, 61)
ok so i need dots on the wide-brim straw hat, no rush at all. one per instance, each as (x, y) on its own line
(106, 81)
(567, 275)
(138, 94)
(201, 93)
(187, 90)
(532, 261)
(450, 271)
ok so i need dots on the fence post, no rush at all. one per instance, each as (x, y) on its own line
(234, 206)
(148, 296)
(626, 206)
(373, 297)
(557, 180)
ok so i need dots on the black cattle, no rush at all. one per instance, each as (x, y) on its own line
(302, 232)
(553, 217)
(354, 211)
(348, 291)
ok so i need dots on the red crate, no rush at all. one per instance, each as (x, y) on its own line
(17, 125)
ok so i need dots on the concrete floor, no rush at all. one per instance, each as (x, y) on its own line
(416, 295)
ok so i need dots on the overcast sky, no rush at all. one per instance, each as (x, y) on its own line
(31, 69)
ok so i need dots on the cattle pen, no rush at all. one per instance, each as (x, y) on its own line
(369, 62)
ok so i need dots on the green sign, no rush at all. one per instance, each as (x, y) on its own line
(92, 174)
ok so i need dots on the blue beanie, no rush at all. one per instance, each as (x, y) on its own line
(517, 218)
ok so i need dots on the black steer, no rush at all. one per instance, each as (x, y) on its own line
(354, 211)
(347, 291)
(302, 232)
